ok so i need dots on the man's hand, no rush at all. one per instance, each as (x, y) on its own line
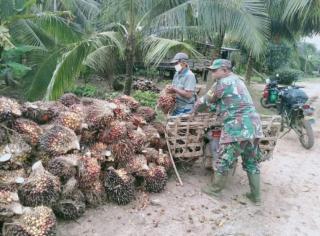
(171, 89)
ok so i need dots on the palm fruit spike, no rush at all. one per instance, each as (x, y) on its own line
(166, 101)
(63, 167)
(132, 103)
(89, 172)
(155, 179)
(88, 137)
(40, 188)
(122, 151)
(147, 113)
(117, 131)
(59, 140)
(68, 209)
(69, 99)
(137, 165)
(99, 114)
(38, 221)
(121, 111)
(119, 186)
(42, 112)
(151, 154)
(70, 120)
(164, 160)
(153, 136)
(29, 130)
(137, 120)
(138, 139)
(9, 108)
(100, 151)
(95, 194)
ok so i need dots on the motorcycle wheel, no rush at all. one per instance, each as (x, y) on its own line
(306, 138)
(263, 103)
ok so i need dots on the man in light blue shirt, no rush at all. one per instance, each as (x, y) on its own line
(183, 84)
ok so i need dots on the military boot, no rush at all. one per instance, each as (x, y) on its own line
(254, 183)
(219, 183)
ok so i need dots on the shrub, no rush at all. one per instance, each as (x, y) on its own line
(147, 98)
(287, 75)
(85, 91)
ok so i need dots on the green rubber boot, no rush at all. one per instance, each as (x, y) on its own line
(219, 183)
(254, 183)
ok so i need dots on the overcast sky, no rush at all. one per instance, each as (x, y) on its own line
(315, 40)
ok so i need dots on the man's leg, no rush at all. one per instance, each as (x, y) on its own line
(227, 156)
(250, 158)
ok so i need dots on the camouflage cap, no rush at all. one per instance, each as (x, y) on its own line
(218, 63)
(180, 56)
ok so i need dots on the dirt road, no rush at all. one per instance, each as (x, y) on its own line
(290, 192)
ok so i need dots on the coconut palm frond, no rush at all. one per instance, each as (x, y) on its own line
(68, 69)
(58, 27)
(156, 49)
(41, 79)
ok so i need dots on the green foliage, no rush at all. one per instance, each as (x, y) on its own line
(85, 91)
(18, 70)
(110, 96)
(277, 56)
(287, 76)
(146, 98)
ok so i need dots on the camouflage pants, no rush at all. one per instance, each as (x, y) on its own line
(229, 152)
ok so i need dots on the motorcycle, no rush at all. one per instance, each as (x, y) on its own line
(297, 114)
(270, 94)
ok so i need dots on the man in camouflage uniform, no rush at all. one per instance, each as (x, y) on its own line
(241, 128)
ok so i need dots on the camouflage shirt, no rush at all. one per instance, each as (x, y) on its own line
(235, 107)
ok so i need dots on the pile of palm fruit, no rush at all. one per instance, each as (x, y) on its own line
(58, 158)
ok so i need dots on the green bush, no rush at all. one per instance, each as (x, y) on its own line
(147, 98)
(287, 75)
(85, 91)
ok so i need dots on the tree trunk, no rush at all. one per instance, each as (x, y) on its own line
(129, 64)
(249, 69)
(218, 42)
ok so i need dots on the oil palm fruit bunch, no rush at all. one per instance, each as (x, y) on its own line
(155, 179)
(70, 120)
(151, 154)
(138, 139)
(160, 127)
(3, 136)
(122, 151)
(40, 188)
(38, 221)
(99, 113)
(9, 179)
(95, 194)
(59, 140)
(132, 103)
(152, 134)
(147, 113)
(88, 137)
(42, 112)
(117, 131)
(9, 108)
(89, 172)
(68, 209)
(137, 165)
(29, 130)
(15, 154)
(137, 120)
(9, 205)
(63, 167)
(69, 99)
(166, 101)
(164, 160)
(101, 152)
(119, 186)
(121, 111)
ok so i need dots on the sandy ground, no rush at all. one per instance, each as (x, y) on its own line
(290, 193)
